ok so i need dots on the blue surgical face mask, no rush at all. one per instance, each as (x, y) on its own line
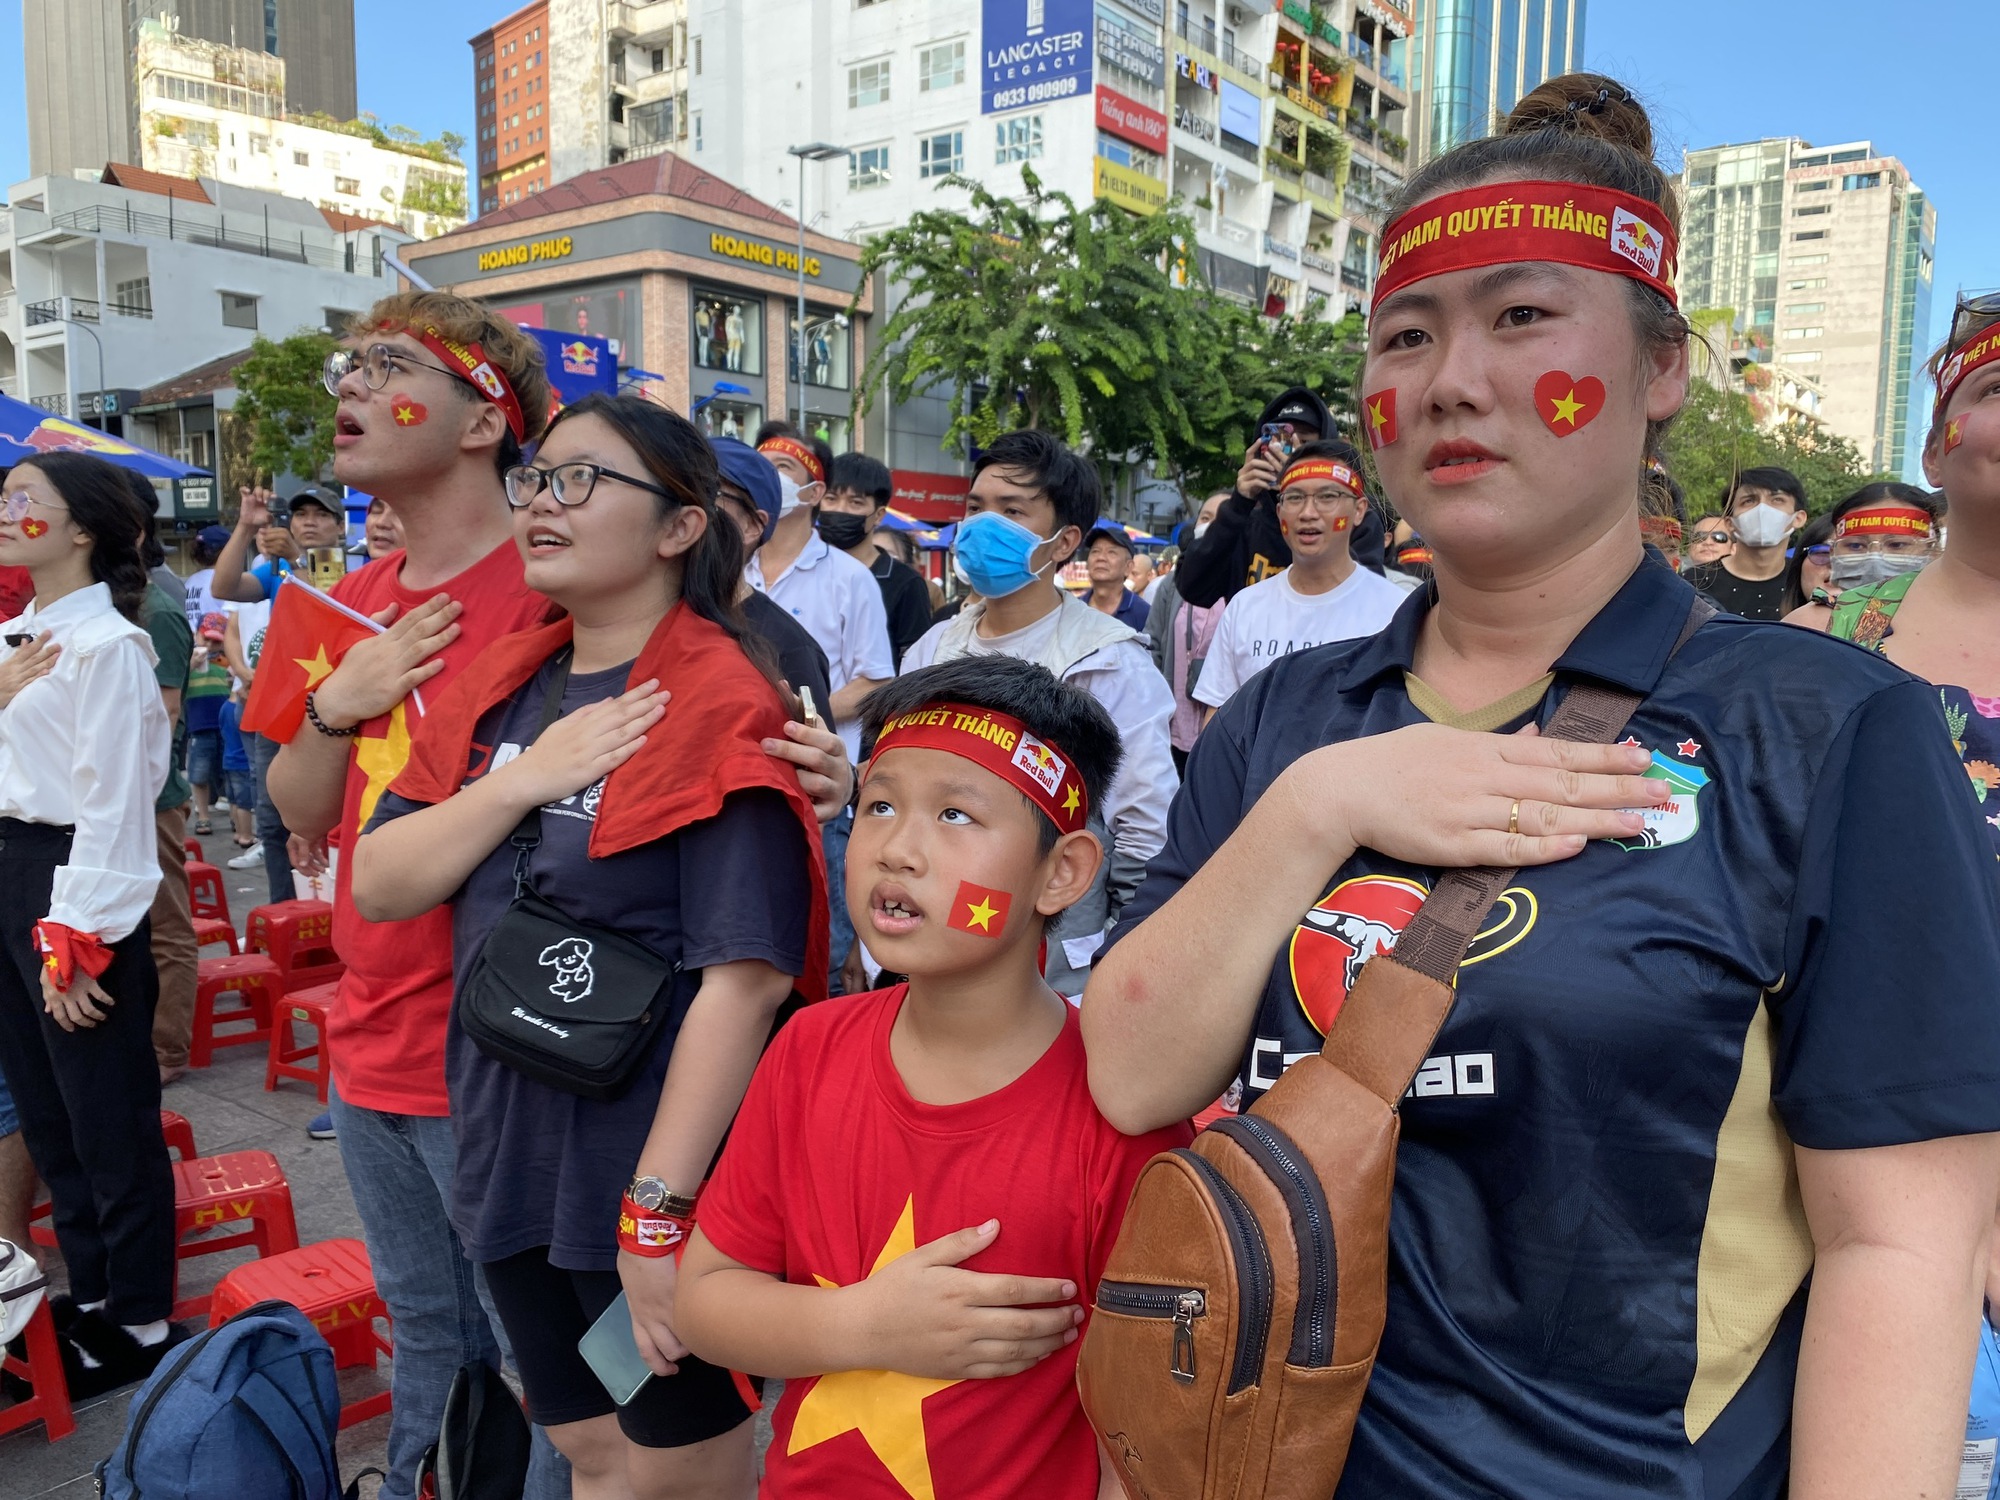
(994, 552)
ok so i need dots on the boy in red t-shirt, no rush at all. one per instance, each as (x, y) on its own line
(918, 1194)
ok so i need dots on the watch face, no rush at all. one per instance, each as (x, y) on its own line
(648, 1192)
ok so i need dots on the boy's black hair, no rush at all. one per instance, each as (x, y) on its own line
(1338, 449)
(1065, 718)
(778, 427)
(1070, 483)
(1783, 481)
(864, 475)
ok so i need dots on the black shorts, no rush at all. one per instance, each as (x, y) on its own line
(547, 1309)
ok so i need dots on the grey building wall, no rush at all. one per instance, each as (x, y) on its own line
(77, 56)
(314, 37)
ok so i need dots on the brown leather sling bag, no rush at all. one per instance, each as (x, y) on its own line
(1239, 1314)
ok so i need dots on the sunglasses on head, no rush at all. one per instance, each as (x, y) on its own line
(1971, 313)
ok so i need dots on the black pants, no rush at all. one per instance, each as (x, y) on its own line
(89, 1099)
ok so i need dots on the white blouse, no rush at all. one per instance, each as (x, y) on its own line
(88, 746)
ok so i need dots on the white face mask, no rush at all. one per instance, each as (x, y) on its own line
(788, 493)
(1762, 525)
(1201, 529)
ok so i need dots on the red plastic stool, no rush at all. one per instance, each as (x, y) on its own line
(43, 1370)
(180, 1138)
(237, 1186)
(257, 980)
(211, 930)
(332, 1283)
(205, 889)
(299, 937)
(308, 1064)
(192, 851)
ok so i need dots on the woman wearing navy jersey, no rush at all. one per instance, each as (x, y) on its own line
(1693, 1195)
(633, 730)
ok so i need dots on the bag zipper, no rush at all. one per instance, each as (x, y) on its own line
(1252, 1259)
(1181, 1303)
(1312, 1227)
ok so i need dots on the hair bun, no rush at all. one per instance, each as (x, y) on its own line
(1589, 103)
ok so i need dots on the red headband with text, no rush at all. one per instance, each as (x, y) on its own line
(1981, 349)
(486, 377)
(1003, 746)
(1308, 469)
(1496, 223)
(1886, 520)
(791, 447)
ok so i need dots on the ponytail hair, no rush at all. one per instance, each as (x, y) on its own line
(102, 504)
(679, 460)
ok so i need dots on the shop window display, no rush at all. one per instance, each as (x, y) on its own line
(728, 333)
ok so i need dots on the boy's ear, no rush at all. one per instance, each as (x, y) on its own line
(1071, 867)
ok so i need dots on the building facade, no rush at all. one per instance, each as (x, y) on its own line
(1815, 265)
(207, 110)
(83, 109)
(1475, 59)
(693, 282)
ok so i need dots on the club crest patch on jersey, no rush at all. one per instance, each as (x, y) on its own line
(1676, 820)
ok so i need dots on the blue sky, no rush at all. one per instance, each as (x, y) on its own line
(1712, 71)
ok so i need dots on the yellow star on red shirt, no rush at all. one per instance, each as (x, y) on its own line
(884, 1407)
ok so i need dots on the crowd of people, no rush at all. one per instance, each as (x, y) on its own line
(658, 745)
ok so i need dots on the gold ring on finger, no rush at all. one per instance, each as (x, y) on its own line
(1514, 817)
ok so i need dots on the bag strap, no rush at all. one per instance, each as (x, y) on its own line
(527, 833)
(280, 1419)
(1385, 1028)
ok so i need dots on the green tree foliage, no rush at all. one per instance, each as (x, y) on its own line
(1717, 437)
(1092, 323)
(286, 410)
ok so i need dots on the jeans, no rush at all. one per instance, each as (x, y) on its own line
(271, 830)
(399, 1167)
(204, 765)
(833, 840)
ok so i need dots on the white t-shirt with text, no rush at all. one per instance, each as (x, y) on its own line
(1272, 619)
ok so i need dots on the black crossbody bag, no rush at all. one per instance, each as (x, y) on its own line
(566, 1003)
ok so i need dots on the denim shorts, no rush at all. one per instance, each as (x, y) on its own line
(9, 1120)
(242, 789)
(204, 767)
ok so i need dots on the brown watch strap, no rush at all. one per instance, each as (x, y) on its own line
(1387, 1023)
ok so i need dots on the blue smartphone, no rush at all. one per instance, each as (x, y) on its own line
(1279, 435)
(612, 1354)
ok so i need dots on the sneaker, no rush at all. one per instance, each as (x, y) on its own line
(321, 1128)
(249, 859)
(220, 804)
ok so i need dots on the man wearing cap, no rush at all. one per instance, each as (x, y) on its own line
(1107, 557)
(317, 520)
(1245, 544)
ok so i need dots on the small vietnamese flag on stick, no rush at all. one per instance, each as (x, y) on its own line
(978, 909)
(308, 635)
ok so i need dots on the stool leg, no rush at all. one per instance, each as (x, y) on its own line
(281, 1042)
(201, 1042)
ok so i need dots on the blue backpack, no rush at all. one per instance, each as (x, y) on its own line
(249, 1408)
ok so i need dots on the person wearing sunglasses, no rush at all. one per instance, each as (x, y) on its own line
(1708, 539)
(630, 732)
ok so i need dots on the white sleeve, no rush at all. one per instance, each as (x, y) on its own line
(113, 870)
(923, 651)
(865, 643)
(1137, 697)
(1221, 673)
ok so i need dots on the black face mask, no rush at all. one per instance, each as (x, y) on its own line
(843, 530)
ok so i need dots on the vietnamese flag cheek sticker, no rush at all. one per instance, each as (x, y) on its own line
(1381, 417)
(979, 909)
(1954, 434)
(408, 413)
(31, 528)
(1565, 403)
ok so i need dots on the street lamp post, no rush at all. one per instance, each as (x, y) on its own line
(70, 318)
(816, 151)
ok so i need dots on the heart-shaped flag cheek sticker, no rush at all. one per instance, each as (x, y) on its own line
(408, 413)
(31, 528)
(1565, 403)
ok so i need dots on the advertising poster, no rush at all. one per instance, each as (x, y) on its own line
(1033, 52)
(579, 364)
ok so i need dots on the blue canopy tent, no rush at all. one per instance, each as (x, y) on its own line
(27, 432)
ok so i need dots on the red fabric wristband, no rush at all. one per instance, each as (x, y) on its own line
(64, 951)
(648, 1232)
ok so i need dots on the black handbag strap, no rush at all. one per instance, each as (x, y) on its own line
(527, 835)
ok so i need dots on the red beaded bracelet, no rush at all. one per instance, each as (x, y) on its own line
(649, 1232)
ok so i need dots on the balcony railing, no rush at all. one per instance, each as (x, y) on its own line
(57, 403)
(1202, 36)
(50, 310)
(1242, 61)
(105, 219)
(1237, 147)
(1223, 227)
(1360, 51)
(1280, 165)
(131, 309)
(1320, 183)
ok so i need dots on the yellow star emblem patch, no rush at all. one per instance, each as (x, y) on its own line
(381, 759)
(1071, 801)
(980, 915)
(1375, 417)
(884, 1407)
(1566, 407)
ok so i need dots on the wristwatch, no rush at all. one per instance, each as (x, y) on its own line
(655, 1196)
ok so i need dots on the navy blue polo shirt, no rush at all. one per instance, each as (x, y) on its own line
(1598, 1256)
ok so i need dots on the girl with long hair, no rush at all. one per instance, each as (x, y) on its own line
(1695, 1184)
(608, 769)
(83, 754)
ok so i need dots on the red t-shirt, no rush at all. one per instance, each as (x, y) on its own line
(833, 1169)
(388, 1026)
(17, 591)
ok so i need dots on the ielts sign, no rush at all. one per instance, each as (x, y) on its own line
(1130, 120)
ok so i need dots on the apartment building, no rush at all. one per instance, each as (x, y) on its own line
(1815, 264)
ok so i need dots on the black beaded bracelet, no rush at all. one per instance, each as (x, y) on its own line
(312, 713)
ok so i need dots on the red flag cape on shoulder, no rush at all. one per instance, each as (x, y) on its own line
(708, 745)
(308, 635)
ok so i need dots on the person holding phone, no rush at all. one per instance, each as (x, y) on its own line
(634, 729)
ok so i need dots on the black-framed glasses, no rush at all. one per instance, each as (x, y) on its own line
(1971, 309)
(377, 363)
(571, 484)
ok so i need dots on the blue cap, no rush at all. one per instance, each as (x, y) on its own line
(213, 536)
(752, 473)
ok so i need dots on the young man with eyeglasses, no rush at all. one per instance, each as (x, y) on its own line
(1322, 596)
(1709, 539)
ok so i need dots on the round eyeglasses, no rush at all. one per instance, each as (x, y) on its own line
(377, 363)
(571, 484)
(14, 507)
